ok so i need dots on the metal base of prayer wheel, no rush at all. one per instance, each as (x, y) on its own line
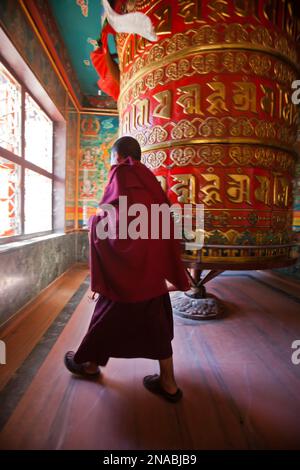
(195, 308)
(196, 304)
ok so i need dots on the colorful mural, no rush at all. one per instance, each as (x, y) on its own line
(15, 23)
(71, 159)
(80, 41)
(296, 220)
(97, 134)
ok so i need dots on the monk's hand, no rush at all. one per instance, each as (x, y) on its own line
(170, 286)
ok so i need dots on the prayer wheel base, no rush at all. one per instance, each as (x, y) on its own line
(187, 305)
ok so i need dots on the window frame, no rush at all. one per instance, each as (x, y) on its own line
(26, 164)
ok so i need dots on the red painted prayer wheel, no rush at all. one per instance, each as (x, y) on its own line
(210, 104)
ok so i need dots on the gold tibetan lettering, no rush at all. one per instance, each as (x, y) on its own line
(246, 8)
(163, 109)
(262, 193)
(211, 190)
(163, 181)
(219, 10)
(281, 191)
(267, 102)
(139, 44)
(239, 189)
(244, 96)
(290, 22)
(126, 123)
(286, 109)
(127, 54)
(280, 100)
(190, 99)
(191, 11)
(164, 17)
(216, 99)
(185, 188)
(270, 8)
(141, 113)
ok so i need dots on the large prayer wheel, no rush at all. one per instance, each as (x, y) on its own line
(210, 104)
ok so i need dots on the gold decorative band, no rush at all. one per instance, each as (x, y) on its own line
(207, 34)
(209, 155)
(191, 51)
(252, 254)
(231, 140)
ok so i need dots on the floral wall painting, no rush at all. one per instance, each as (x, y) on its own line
(297, 199)
(71, 157)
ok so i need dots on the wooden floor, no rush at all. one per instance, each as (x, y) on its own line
(24, 331)
(241, 390)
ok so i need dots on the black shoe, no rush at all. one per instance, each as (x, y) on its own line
(78, 369)
(152, 383)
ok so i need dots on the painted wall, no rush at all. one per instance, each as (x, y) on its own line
(71, 158)
(97, 134)
(294, 271)
(296, 221)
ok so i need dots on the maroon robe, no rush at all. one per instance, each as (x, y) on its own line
(133, 315)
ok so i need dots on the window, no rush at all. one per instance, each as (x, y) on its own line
(26, 162)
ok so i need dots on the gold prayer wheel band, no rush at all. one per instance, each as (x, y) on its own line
(130, 78)
(247, 35)
(213, 131)
(235, 141)
(205, 38)
(254, 257)
(182, 154)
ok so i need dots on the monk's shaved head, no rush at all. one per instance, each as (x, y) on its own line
(127, 147)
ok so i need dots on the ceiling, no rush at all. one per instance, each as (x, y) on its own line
(77, 27)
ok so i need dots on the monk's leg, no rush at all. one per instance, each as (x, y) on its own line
(167, 378)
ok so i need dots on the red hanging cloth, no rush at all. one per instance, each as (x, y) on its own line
(105, 66)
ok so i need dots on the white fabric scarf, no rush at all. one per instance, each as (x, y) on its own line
(131, 23)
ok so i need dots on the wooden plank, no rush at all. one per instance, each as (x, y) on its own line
(24, 331)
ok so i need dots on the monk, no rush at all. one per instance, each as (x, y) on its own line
(133, 314)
